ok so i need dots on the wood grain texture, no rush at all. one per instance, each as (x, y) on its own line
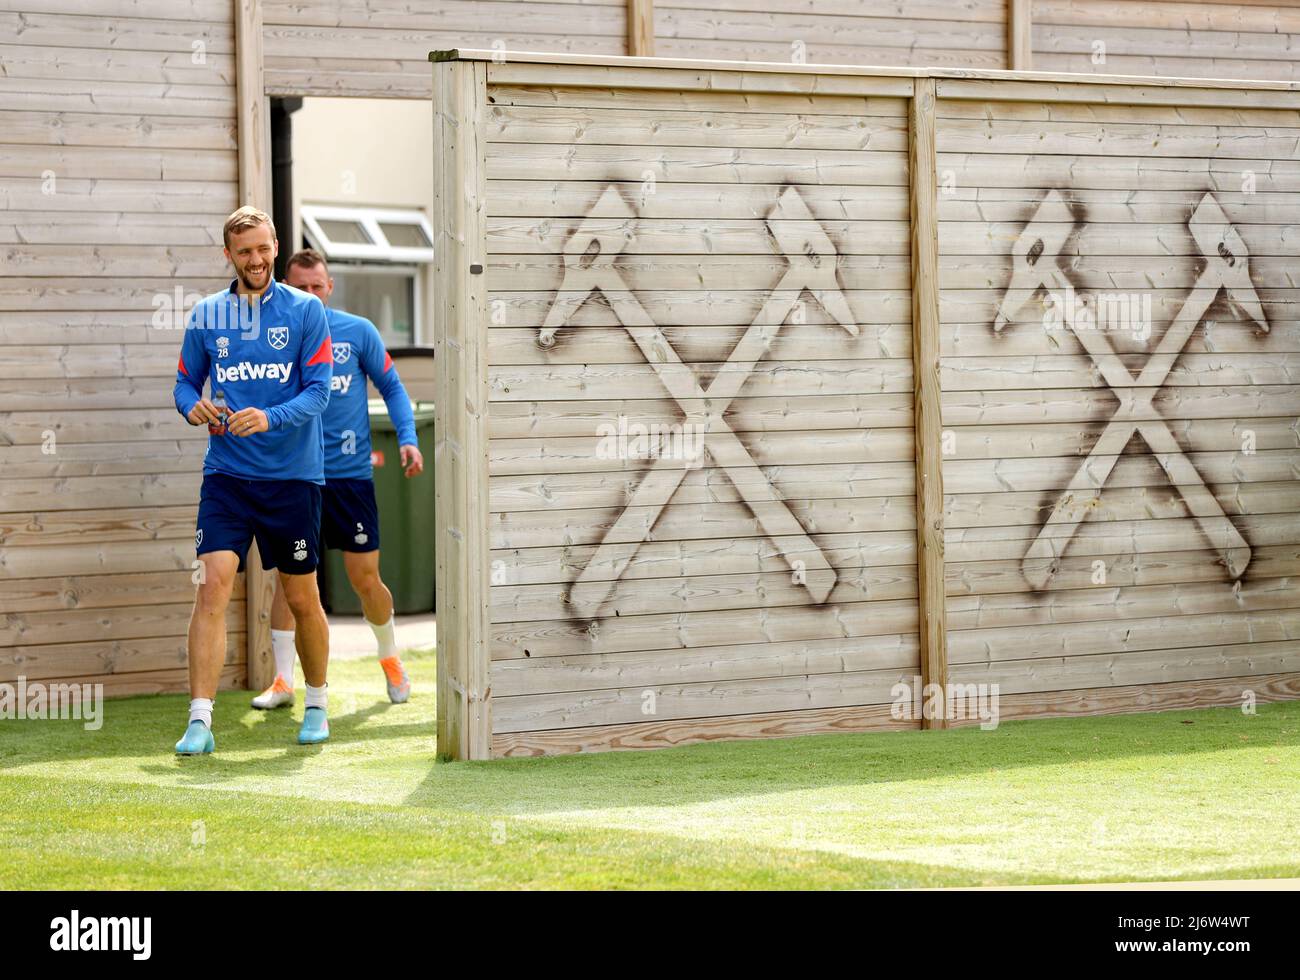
(99, 591)
(1174, 696)
(1080, 572)
(118, 161)
(767, 590)
(1246, 40)
(926, 411)
(531, 566)
(660, 337)
(1020, 51)
(461, 446)
(609, 169)
(69, 625)
(151, 147)
(100, 660)
(641, 28)
(380, 48)
(530, 67)
(669, 733)
(254, 154)
(255, 190)
(234, 677)
(842, 689)
(701, 629)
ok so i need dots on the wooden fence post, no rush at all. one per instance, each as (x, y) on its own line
(254, 189)
(461, 410)
(1020, 42)
(641, 28)
(925, 368)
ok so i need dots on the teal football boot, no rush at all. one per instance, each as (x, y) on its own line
(197, 740)
(315, 727)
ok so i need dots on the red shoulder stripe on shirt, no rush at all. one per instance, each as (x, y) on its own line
(323, 356)
(388, 361)
(180, 366)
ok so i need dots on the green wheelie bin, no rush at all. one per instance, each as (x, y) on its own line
(406, 538)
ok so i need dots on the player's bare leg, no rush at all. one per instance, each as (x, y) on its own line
(377, 603)
(207, 647)
(313, 642)
(280, 693)
(363, 572)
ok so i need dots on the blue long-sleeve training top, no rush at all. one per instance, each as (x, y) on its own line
(276, 357)
(359, 354)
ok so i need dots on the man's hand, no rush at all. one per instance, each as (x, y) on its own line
(412, 460)
(204, 411)
(247, 421)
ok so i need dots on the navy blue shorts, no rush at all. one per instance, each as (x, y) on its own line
(349, 515)
(283, 516)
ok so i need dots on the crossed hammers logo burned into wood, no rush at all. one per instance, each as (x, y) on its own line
(589, 266)
(1034, 259)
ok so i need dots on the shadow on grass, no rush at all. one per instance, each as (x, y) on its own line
(150, 724)
(137, 727)
(741, 768)
(345, 846)
(277, 733)
(350, 845)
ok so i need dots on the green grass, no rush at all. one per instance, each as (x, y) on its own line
(1190, 794)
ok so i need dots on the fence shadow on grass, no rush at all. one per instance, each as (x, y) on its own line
(716, 770)
(139, 733)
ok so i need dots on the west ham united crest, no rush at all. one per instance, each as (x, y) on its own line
(342, 352)
(278, 337)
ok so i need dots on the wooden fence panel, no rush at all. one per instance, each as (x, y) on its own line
(705, 460)
(754, 328)
(380, 48)
(118, 163)
(969, 34)
(1175, 38)
(1155, 530)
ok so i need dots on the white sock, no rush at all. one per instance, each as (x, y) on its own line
(201, 710)
(385, 635)
(282, 647)
(317, 697)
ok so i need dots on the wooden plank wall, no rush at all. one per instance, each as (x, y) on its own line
(118, 160)
(117, 166)
(1249, 39)
(628, 228)
(380, 48)
(1140, 592)
(1192, 38)
(462, 444)
(1121, 489)
(938, 33)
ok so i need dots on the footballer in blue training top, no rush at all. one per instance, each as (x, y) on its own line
(264, 352)
(349, 515)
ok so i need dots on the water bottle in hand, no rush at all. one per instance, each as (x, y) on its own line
(218, 428)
